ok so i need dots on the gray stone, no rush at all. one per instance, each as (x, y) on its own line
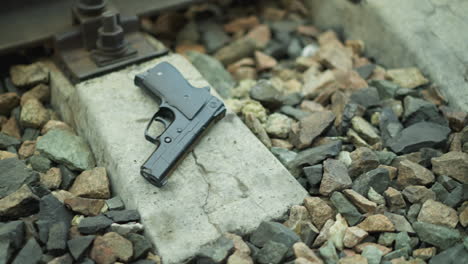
(13, 233)
(372, 254)
(400, 222)
(403, 92)
(30, 134)
(89, 261)
(440, 192)
(375, 197)
(418, 194)
(123, 216)
(439, 236)
(204, 187)
(448, 183)
(213, 36)
(141, 245)
(386, 89)
(272, 252)
(387, 239)
(378, 179)
(68, 177)
(8, 141)
(313, 156)
(213, 71)
(276, 49)
(398, 253)
(6, 250)
(31, 253)
(51, 210)
(273, 231)
(294, 48)
(78, 246)
(93, 224)
(284, 25)
(291, 99)
(39, 189)
(40, 163)
(455, 197)
(413, 212)
(335, 177)
(308, 234)
(23, 175)
(265, 92)
(403, 241)
(57, 239)
(453, 255)
(65, 147)
(385, 157)
(427, 154)
(188, 34)
(420, 135)
(419, 110)
(366, 71)
(215, 252)
(366, 97)
(294, 112)
(346, 208)
(144, 261)
(350, 111)
(46, 258)
(314, 174)
(328, 253)
(390, 126)
(283, 155)
(115, 203)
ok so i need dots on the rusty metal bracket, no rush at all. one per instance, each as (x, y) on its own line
(29, 23)
(101, 42)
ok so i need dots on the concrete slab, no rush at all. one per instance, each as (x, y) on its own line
(429, 34)
(230, 182)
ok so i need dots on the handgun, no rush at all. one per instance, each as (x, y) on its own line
(185, 112)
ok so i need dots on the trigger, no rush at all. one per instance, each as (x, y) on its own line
(156, 128)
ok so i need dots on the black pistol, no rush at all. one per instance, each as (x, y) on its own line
(185, 112)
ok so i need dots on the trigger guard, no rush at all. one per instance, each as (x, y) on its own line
(156, 118)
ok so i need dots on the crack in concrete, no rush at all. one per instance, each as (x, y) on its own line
(203, 172)
(242, 187)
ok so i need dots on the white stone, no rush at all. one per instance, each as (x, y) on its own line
(230, 182)
(125, 229)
